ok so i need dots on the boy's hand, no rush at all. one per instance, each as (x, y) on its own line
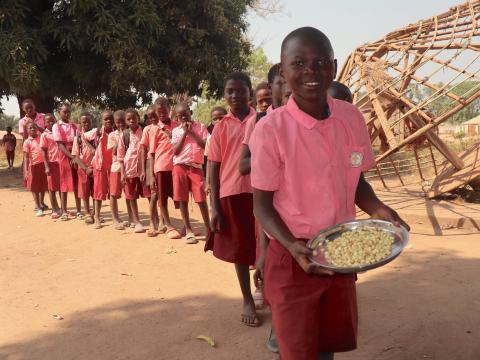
(47, 171)
(142, 176)
(89, 171)
(208, 189)
(258, 274)
(384, 212)
(217, 222)
(300, 253)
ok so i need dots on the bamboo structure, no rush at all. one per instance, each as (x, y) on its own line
(412, 80)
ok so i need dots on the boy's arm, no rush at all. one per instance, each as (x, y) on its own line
(141, 162)
(367, 200)
(198, 139)
(260, 265)
(245, 160)
(26, 162)
(272, 223)
(177, 147)
(217, 221)
(45, 160)
(64, 150)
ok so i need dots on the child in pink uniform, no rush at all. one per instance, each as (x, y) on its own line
(161, 151)
(34, 167)
(115, 171)
(188, 140)
(31, 115)
(129, 148)
(50, 157)
(232, 223)
(83, 151)
(307, 161)
(101, 163)
(146, 173)
(263, 96)
(9, 142)
(64, 133)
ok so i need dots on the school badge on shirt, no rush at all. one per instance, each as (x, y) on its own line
(356, 159)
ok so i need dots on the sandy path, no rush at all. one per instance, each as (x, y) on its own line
(125, 296)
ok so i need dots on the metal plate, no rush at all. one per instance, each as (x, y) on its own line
(400, 235)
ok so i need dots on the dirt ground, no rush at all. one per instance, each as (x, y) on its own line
(126, 296)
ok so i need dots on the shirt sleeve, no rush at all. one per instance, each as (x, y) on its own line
(145, 141)
(204, 132)
(91, 134)
(154, 138)
(75, 148)
(112, 140)
(214, 150)
(26, 146)
(41, 121)
(363, 141)
(176, 135)
(121, 147)
(249, 129)
(43, 141)
(266, 163)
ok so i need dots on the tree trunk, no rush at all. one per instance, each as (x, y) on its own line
(43, 104)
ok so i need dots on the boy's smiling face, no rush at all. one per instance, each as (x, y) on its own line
(85, 123)
(308, 67)
(183, 114)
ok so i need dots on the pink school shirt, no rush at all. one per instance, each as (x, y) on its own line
(191, 153)
(251, 125)
(64, 132)
(113, 139)
(102, 159)
(160, 144)
(39, 120)
(130, 156)
(226, 147)
(32, 147)
(47, 142)
(82, 149)
(9, 142)
(146, 136)
(312, 166)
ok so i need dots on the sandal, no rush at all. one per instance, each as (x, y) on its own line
(139, 228)
(272, 344)
(126, 224)
(190, 238)
(173, 234)
(163, 229)
(64, 217)
(39, 213)
(55, 215)
(119, 226)
(152, 233)
(89, 220)
(80, 215)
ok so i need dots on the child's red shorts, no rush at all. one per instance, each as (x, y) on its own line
(164, 185)
(310, 314)
(116, 184)
(53, 179)
(85, 184)
(37, 179)
(188, 178)
(134, 188)
(100, 184)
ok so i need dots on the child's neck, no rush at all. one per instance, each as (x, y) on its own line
(318, 109)
(241, 113)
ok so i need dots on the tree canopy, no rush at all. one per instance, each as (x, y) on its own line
(116, 53)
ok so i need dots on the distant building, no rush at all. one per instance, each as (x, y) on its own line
(470, 127)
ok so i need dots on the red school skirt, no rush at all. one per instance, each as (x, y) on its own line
(37, 179)
(54, 179)
(68, 175)
(134, 188)
(85, 184)
(310, 314)
(237, 243)
(100, 184)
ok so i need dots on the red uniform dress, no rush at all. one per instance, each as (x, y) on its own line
(313, 168)
(37, 179)
(65, 133)
(85, 151)
(187, 165)
(49, 144)
(101, 163)
(128, 154)
(115, 174)
(237, 243)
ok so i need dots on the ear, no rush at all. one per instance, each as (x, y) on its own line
(335, 68)
(280, 71)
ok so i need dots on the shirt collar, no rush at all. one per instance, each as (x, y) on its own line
(305, 119)
(251, 113)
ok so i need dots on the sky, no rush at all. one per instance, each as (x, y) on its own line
(348, 24)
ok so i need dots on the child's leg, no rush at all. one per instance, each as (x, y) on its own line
(131, 219)
(98, 207)
(165, 185)
(53, 201)
(185, 216)
(114, 210)
(154, 221)
(37, 200)
(63, 201)
(42, 200)
(205, 216)
(249, 315)
(78, 203)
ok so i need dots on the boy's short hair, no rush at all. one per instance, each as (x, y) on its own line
(50, 115)
(262, 86)
(119, 113)
(309, 33)
(340, 91)
(162, 101)
(31, 123)
(238, 76)
(88, 114)
(273, 73)
(27, 101)
(132, 111)
(64, 103)
(9, 128)
(219, 108)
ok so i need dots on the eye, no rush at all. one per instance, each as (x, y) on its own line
(298, 63)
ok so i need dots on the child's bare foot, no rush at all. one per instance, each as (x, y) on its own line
(249, 315)
(98, 224)
(117, 225)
